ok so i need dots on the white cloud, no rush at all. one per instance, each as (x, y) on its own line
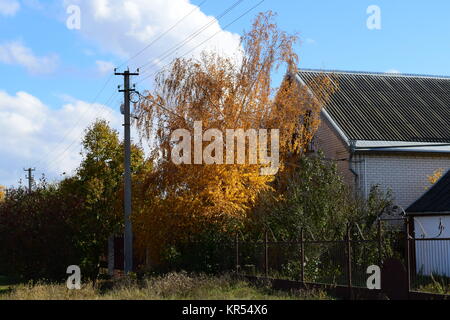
(15, 53)
(31, 134)
(104, 67)
(9, 7)
(393, 71)
(125, 27)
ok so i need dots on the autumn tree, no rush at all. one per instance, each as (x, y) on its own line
(2, 193)
(181, 199)
(435, 176)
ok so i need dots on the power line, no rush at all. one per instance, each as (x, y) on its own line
(108, 112)
(163, 34)
(193, 35)
(76, 123)
(62, 153)
(166, 54)
(110, 77)
(238, 18)
(196, 33)
(215, 34)
(161, 106)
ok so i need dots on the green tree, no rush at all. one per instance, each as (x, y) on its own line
(313, 197)
(99, 181)
(68, 222)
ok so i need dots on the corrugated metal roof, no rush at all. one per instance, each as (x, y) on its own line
(436, 200)
(388, 107)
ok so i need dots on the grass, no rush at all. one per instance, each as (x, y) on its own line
(433, 284)
(173, 286)
(6, 284)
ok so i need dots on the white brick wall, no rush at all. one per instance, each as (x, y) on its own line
(405, 174)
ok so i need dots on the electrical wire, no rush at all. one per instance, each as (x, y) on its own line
(162, 35)
(174, 48)
(165, 55)
(191, 37)
(42, 158)
(62, 153)
(215, 34)
(70, 131)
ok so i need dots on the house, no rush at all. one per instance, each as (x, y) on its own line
(431, 218)
(390, 130)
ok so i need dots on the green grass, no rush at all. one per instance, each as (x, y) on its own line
(173, 286)
(432, 284)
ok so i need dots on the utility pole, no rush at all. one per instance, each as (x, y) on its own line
(128, 233)
(30, 178)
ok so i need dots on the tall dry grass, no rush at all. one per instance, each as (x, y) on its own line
(173, 286)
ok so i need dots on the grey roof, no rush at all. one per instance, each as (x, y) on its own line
(388, 107)
(435, 201)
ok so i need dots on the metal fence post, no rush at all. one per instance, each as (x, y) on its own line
(236, 242)
(407, 258)
(380, 244)
(302, 257)
(349, 262)
(266, 255)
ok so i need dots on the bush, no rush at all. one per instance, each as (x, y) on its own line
(68, 223)
(210, 251)
(36, 235)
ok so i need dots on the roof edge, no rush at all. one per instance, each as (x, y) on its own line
(328, 118)
(389, 74)
(428, 213)
(402, 150)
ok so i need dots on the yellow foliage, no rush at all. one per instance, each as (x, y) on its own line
(175, 201)
(437, 174)
(2, 193)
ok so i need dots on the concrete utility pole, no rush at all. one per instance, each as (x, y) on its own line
(128, 234)
(30, 178)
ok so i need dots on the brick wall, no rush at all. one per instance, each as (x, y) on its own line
(327, 140)
(404, 173)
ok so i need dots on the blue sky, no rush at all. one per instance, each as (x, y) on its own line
(52, 75)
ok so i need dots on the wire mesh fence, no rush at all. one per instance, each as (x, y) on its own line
(423, 263)
(334, 262)
(338, 262)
